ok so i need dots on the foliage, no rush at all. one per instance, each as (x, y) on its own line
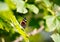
(12, 13)
(56, 37)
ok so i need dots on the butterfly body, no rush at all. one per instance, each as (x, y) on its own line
(23, 23)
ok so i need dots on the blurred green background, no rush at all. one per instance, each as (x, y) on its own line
(38, 13)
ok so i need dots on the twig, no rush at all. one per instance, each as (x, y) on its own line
(34, 32)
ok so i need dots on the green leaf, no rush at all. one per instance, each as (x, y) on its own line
(1, 26)
(5, 25)
(3, 6)
(47, 3)
(51, 23)
(56, 37)
(58, 26)
(7, 15)
(21, 6)
(33, 8)
(56, 8)
(10, 4)
(10, 17)
(57, 13)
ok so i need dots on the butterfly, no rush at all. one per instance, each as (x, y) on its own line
(23, 23)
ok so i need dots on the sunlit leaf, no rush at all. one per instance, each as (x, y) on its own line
(10, 4)
(37, 0)
(3, 6)
(21, 6)
(8, 16)
(47, 3)
(33, 8)
(56, 37)
(57, 10)
(5, 26)
(51, 23)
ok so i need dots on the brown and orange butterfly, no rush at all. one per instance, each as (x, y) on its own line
(23, 23)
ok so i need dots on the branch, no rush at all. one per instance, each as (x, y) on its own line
(34, 32)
